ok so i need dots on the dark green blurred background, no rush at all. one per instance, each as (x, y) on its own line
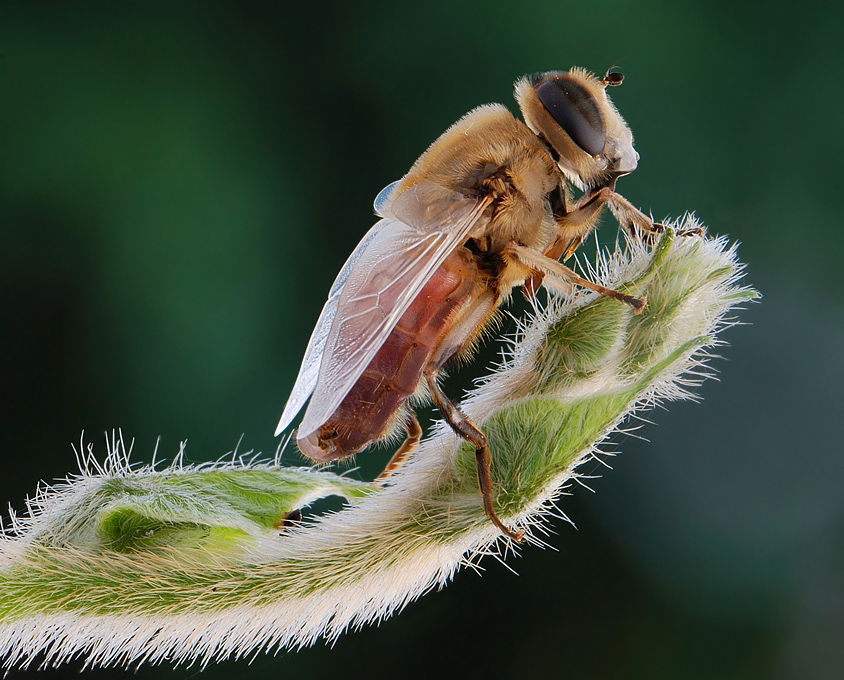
(180, 184)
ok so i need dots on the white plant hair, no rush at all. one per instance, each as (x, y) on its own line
(124, 564)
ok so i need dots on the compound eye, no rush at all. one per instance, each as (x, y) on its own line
(576, 111)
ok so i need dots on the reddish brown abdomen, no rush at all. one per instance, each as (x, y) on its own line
(367, 412)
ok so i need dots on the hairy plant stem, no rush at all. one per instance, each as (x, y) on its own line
(125, 564)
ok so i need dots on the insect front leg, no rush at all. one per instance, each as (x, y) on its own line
(561, 278)
(466, 429)
(414, 434)
(581, 218)
(640, 226)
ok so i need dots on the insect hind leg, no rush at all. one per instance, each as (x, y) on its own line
(414, 434)
(469, 431)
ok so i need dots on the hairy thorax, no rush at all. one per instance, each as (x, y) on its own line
(488, 152)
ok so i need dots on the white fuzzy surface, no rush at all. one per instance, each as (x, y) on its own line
(362, 563)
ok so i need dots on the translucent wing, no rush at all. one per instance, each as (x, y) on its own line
(423, 225)
(381, 205)
(307, 379)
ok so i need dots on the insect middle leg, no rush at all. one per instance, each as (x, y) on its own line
(414, 434)
(574, 223)
(561, 277)
(466, 429)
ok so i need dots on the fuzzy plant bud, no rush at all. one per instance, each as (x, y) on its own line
(124, 564)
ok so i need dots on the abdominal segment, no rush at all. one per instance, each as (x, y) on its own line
(372, 407)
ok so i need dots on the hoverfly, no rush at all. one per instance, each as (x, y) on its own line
(488, 207)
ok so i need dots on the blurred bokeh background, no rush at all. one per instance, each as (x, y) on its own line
(179, 185)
